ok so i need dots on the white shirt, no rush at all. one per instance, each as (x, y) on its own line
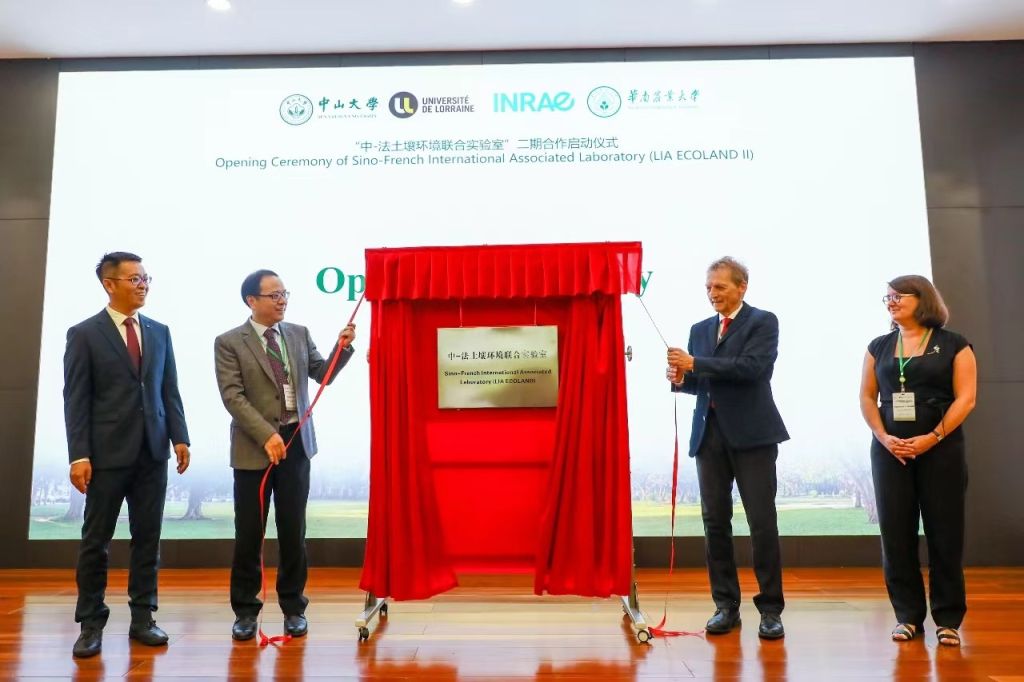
(119, 319)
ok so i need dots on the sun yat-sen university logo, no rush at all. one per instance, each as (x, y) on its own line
(296, 109)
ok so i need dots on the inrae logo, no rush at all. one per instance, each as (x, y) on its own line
(522, 102)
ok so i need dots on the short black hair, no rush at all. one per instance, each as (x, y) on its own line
(112, 260)
(251, 284)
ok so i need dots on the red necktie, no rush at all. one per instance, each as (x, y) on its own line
(134, 351)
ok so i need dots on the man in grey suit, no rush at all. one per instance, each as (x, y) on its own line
(262, 369)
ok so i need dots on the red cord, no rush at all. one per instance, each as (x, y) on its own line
(659, 629)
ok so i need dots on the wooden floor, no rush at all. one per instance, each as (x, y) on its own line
(837, 623)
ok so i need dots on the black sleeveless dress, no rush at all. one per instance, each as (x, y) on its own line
(929, 488)
(929, 377)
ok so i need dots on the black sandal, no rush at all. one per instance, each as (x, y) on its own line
(904, 632)
(948, 636)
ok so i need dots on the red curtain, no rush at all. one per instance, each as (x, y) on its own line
(586, 540)
(405, 556)
(502, 272)
(569, 481)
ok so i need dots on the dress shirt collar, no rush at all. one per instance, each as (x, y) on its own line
(732, 315)
(262, 328)
(119, 318)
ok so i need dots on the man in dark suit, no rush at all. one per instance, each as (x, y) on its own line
(728, 365)
(122, 409)
(263, 368)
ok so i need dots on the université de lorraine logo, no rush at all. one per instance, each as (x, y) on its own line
(403, 104)
(296, 109)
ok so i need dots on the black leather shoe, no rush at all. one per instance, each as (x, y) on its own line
(771, 627)
(89, 642)
(147, 633)
(244, 628)
(723, 621)
(296, 626)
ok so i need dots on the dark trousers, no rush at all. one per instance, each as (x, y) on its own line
(144, 486)
(933, 488)
(753, 469)
(289, 483)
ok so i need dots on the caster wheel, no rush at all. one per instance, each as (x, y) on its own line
(384, 610)
(364, 634)
(644, 636)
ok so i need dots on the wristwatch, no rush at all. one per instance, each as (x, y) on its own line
(938, 436)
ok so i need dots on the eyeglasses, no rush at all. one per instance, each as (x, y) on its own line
(276, 296)
(894, 298)
(136, 280)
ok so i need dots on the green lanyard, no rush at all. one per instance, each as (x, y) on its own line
(904, 363)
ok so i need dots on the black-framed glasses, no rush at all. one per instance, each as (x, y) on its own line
(276, 296)
(136, 280)
(894, 298)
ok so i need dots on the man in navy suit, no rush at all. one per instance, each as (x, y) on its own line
(122, 410)
(728, 365)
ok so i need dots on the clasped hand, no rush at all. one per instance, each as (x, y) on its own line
(905, 449)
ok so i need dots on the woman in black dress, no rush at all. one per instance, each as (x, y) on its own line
(925, 379)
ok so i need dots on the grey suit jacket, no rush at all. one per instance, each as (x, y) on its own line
(251, 395)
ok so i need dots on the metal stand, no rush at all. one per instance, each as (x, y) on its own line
(371, 607)
(631, 605)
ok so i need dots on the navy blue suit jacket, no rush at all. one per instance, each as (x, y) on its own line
(736, 374)
(111, 412)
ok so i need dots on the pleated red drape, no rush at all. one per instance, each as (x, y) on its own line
(404, 550)
(583, 538)
(586, 527)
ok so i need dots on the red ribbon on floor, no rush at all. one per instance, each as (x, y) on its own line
(659, 629)
(264, 640)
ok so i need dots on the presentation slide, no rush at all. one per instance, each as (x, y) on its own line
(809, 171)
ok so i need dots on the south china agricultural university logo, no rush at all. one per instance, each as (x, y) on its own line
(604, 101)
(296, 109)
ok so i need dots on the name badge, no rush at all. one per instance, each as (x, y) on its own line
(903, 407)
(289, 398)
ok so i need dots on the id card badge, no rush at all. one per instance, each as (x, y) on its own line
(903, 407)
(289, 398)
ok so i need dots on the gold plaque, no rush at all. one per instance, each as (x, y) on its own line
(497, 367)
